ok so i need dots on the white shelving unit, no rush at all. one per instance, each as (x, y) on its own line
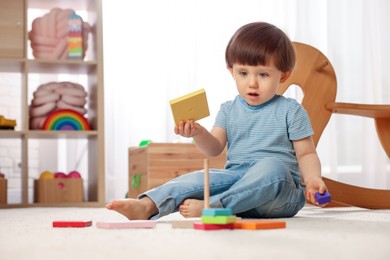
(27, 73)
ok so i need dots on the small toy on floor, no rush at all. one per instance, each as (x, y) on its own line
(204, 226)
(259, 224)
(323, 198)
(183, 224)
(215, 219)
(126, 224)
(71, 224)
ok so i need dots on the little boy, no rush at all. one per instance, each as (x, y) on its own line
(271, 159)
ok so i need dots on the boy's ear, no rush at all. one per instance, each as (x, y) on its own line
(285, 76)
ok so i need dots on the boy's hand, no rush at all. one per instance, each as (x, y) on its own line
(189, 128)
(314, 185)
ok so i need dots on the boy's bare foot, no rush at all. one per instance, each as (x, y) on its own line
(191, 208)
(133, 208)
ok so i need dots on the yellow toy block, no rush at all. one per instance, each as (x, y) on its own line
(192, 106)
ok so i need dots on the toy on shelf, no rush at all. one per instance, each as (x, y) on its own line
(66, 120)
(49, 35)
(74, 174)
(59, 175)
(7, 124)
(192, 106)
(53, 96)
(75, 37)
(46, 175)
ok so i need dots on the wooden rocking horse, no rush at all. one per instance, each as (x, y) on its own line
(314, 74)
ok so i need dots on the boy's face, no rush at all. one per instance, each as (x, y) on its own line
(257, 84)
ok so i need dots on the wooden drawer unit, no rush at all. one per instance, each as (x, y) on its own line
(157, 163)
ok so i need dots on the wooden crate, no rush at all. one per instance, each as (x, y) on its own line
(3, 191)
(157, 163)
(58, 190)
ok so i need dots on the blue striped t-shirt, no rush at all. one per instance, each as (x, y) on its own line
(264, 131)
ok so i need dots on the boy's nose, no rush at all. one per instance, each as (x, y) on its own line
(253, 83)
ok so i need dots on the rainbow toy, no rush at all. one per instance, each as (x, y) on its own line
(66, 119)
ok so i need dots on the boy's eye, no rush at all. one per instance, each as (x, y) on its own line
(243, 73)
(263, 75)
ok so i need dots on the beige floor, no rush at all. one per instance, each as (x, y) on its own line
(315, 234)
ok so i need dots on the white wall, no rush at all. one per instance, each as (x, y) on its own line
(157, 50)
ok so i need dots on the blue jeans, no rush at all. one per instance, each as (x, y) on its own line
(262, 189)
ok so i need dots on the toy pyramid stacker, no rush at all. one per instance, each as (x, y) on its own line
(223, 218)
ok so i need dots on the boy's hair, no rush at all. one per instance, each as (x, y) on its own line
(260, 43)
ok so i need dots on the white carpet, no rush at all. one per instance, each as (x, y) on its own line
(315, 234)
